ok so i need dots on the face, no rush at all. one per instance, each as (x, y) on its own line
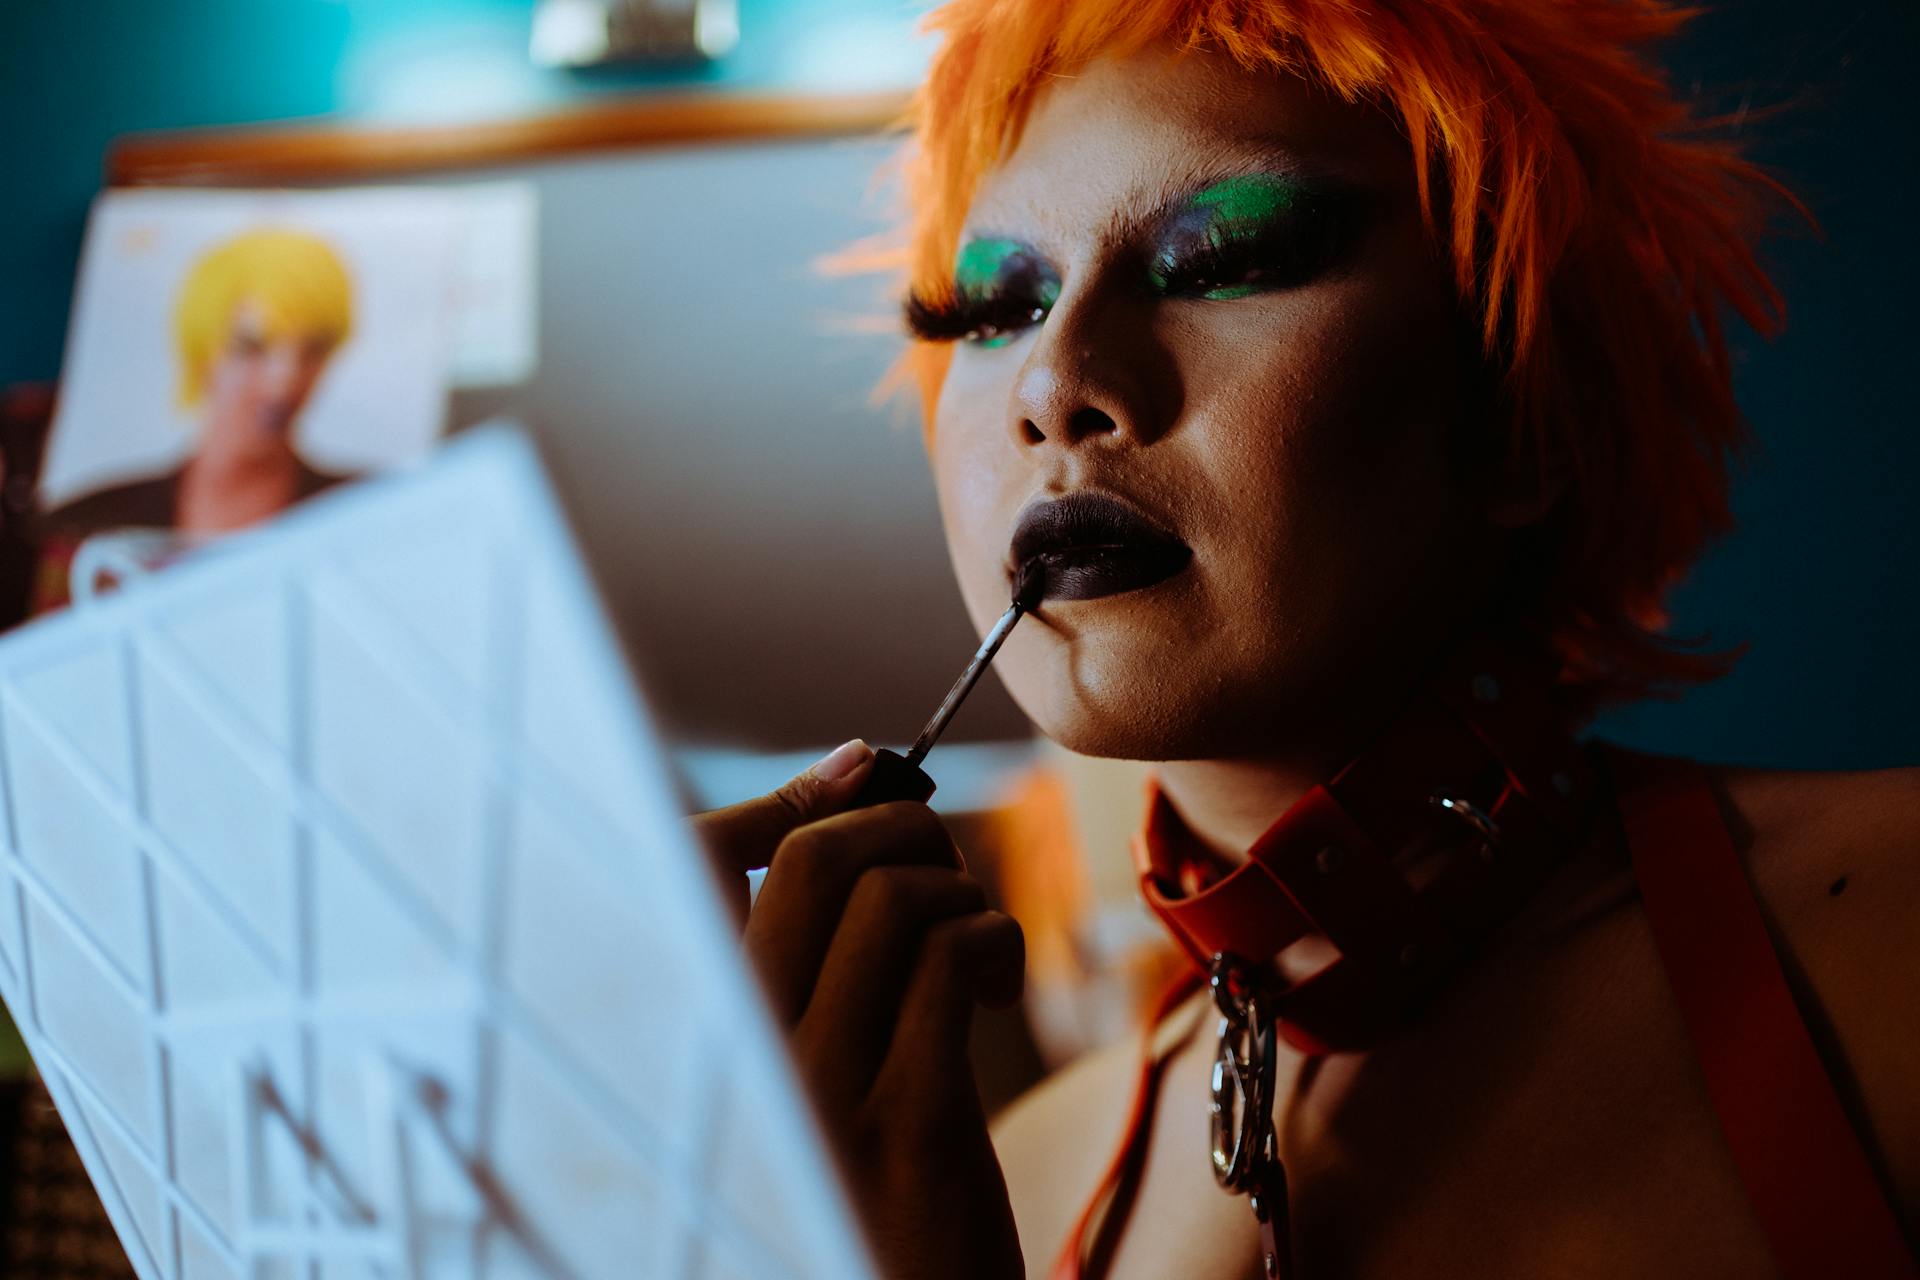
(262, 376)
(1207, 298)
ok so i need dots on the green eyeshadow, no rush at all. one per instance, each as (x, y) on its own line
(981, 261)
(1255, 198)
(1008, 276)
(1227, 227)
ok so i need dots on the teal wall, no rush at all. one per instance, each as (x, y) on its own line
(1821, 580)
(74, 77)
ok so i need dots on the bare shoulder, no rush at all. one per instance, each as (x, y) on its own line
(1835, 861)
(1831, 837)
(1054, 1143)
(1862, 808)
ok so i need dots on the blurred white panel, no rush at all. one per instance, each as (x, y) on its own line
(406, 775)
(483, 991)
(137, 1184)
(557, 893)
(75, 843)
(208, 798)
(240, 647)
(94, 1023)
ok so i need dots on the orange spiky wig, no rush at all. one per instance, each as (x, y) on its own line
(1596, 231)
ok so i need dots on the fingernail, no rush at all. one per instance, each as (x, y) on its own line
(842, 760)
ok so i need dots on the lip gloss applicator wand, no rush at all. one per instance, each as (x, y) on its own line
(898, 777)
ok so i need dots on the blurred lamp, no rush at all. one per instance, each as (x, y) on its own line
(586, 33)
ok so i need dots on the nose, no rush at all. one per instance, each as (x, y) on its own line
(1087, 377)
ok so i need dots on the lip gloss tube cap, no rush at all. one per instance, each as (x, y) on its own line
(893, 778)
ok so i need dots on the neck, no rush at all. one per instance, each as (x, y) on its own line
(242, 449)
(1227, 804)
(229, 484)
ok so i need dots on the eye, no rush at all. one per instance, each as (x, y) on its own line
(998, 330)
(1001, 288)
(1243, 238)
(1226, 264)
(984, 322)
(1216, 274)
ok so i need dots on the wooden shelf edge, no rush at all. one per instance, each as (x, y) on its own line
(306, 153)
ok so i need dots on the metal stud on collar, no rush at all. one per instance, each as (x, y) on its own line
(1473, 815)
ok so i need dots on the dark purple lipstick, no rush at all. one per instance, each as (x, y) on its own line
(1089, 545)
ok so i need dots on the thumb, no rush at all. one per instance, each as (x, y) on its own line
(743, 837)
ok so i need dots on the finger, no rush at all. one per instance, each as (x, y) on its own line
(850, 1014)
(812, 877)
(742, 837)
(926, 1065)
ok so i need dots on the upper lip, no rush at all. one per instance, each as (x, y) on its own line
(1085, 521)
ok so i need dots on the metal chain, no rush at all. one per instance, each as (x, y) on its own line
(1245, 1148)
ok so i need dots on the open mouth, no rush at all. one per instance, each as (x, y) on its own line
(1088, 545)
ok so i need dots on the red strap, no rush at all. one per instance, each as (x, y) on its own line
(1479, 772)
(1130, 1158)
(1806, 1176)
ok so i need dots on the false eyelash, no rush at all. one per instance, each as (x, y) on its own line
(1283, 257)
(957, 317)
(1223, 266)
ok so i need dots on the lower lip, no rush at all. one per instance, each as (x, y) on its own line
(1110, 571)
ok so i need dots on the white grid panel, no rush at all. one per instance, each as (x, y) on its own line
(346, 907)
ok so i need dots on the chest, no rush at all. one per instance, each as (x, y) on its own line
(1548, 1119)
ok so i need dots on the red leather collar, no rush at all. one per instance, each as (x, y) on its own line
(1480, 773)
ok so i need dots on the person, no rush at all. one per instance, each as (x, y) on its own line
(257, 321)
(1356, 375)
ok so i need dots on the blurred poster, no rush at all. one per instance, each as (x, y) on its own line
(304, 333)
(495, 311)
(232, 352)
